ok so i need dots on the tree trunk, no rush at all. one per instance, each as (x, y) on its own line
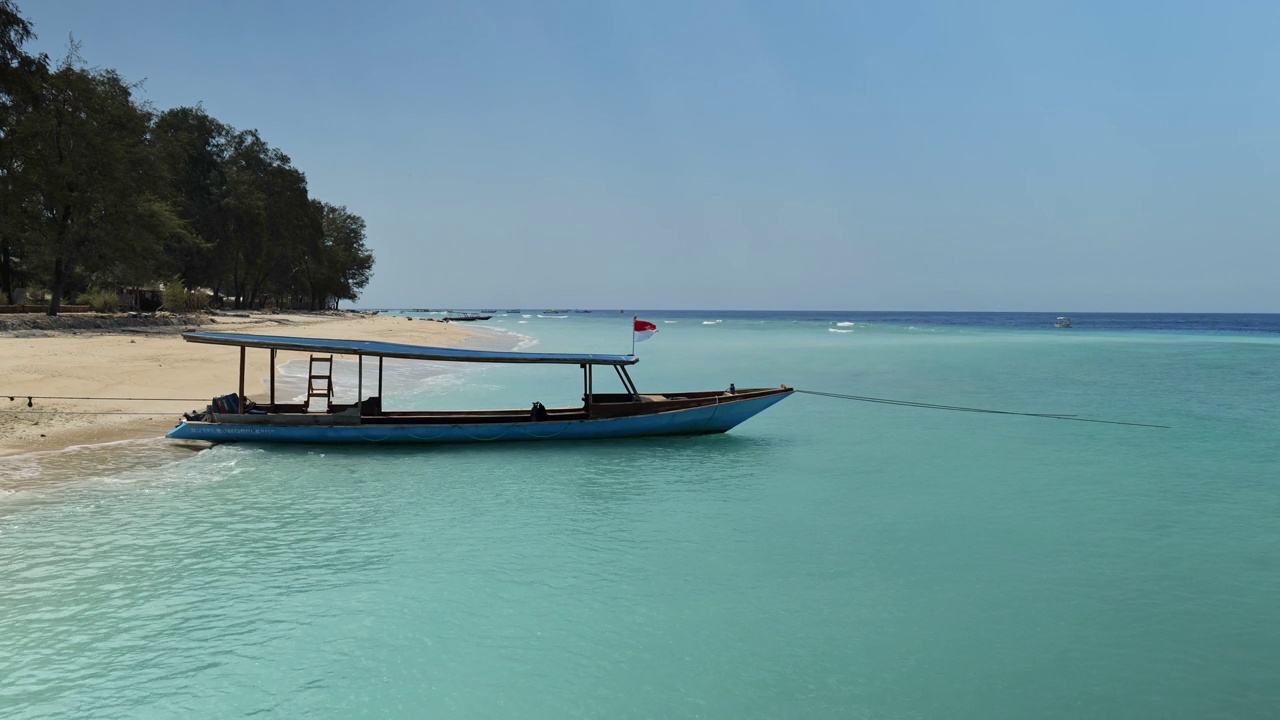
(6, 271)
(256, 294)
(59, 267)
(237, 286)
(55, 292)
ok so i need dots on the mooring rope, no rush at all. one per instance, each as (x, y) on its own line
(838, 396)
(961, 408)
(83, 412)
(13, 396)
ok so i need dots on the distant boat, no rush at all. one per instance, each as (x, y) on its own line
(1062, 322)
(234, 418)
(488, 311)
(465, 317)
(582, 311)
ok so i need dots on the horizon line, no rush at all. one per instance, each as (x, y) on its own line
(846, 310)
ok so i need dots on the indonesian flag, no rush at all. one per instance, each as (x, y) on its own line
(644, 329)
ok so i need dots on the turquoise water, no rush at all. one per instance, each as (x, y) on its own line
(827, 559)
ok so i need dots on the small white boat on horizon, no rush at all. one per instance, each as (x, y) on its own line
(1062, 322)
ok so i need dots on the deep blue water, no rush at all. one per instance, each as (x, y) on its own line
(1218, 323)
(1214, 323)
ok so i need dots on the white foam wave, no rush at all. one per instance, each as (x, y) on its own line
(522, 341)
(670, 322)
(712, 322)
(844, 324)
(555, 317)
(36, 473)
(834, 330)
(432, 386)
(526, 342)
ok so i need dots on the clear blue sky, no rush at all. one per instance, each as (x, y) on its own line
(1054, 156)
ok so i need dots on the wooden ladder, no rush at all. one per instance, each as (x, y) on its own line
(320, 384)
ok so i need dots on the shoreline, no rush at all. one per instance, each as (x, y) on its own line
(154, 362)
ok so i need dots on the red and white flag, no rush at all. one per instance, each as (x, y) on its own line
(644, 330)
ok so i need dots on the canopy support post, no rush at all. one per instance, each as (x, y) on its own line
(380, 359)
(630, 383)
(359, 380)
(273, 380)
(242, 349)
(627, 385)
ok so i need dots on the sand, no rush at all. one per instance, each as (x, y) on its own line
(160, 364)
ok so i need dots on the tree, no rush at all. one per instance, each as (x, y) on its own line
(97, 182)
(193, 149)
(20, 78)
(347, 264)
(98, 190)
(293, 229)
(275, 229)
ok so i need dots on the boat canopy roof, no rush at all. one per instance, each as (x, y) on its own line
(400, 350)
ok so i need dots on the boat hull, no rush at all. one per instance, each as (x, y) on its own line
(710, 419)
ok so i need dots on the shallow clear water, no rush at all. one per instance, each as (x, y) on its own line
(826, 559)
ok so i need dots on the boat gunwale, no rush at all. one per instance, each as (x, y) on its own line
(495, 417)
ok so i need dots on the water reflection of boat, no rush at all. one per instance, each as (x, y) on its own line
(320, 420)
(1062, 322)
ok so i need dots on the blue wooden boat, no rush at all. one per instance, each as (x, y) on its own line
(320, 420)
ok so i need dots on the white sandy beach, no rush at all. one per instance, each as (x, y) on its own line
(158, 365)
